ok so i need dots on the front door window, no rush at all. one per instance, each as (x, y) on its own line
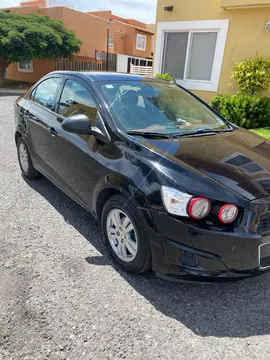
(75, 100)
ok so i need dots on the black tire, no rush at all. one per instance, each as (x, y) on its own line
(31, 172)
(142, 260)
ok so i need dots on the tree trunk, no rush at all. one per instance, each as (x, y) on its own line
(3, 67)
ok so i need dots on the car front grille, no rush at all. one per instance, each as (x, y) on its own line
(264, 223)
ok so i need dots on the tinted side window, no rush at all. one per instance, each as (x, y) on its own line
(45, 92)
(76, 99)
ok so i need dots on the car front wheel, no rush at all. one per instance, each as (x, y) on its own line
(125, 234)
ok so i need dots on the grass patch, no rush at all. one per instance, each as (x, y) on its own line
(264, 132)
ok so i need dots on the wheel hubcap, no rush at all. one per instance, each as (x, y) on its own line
(122, 235)
(23, 155)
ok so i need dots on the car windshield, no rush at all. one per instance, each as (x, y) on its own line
(158, 107)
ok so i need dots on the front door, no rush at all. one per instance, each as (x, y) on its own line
(38, 113)
(71, 156)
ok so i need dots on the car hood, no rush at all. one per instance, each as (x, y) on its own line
(239, 160)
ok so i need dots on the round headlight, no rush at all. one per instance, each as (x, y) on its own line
(199, 207)
(227, 213)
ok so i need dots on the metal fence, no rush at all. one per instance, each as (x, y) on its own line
(78, 65)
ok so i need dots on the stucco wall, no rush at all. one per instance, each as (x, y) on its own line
(92, 30)
(40, 67)
(246, 3)
(246, 34)
(147, 52)
(152, 27)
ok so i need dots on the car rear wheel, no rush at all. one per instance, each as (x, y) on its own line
(25, 161)
(125, 234)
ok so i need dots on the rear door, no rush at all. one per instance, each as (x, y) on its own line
(71, 157)
(38, 112)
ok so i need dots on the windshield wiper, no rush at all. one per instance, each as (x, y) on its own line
(149, 134)
(174, 135)
(202, 131)
(224, 130)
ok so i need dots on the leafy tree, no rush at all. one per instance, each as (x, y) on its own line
(33, 36)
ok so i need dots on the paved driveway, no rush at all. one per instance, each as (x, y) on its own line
(61, 297)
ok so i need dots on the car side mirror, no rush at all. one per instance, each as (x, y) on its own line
(77, 124)
(80, 125)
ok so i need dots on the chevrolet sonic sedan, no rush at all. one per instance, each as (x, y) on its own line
(175, 187)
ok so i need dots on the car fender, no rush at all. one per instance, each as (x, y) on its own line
(117, 184)
(20, 132)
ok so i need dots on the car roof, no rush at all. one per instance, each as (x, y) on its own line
(103, 76)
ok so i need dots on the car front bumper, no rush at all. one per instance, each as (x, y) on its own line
(187, 252)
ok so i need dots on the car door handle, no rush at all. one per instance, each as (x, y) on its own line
(53, 131)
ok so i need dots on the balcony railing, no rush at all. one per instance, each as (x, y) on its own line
(238, 4)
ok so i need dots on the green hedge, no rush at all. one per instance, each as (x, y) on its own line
(165, 77)
(252, 75)
(247, 111)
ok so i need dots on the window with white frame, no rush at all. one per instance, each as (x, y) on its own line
(141, 42)
(192, 52)
(189, 55)
(25, 66)
(110, 42)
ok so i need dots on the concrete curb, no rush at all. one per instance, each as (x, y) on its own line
(10, 92)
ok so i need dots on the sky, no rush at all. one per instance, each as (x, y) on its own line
(142, 10)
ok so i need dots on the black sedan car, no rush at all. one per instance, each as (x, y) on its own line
(176, 188)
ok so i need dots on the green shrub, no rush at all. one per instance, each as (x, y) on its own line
(247, 111)
(252, 75)
(165, 77)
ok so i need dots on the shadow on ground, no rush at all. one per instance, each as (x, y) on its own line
(237, 309)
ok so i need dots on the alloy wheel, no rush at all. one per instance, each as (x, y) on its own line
(24, 158)
(122, 235)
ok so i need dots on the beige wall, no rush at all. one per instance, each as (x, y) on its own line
(246, 35)
(246, 3)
